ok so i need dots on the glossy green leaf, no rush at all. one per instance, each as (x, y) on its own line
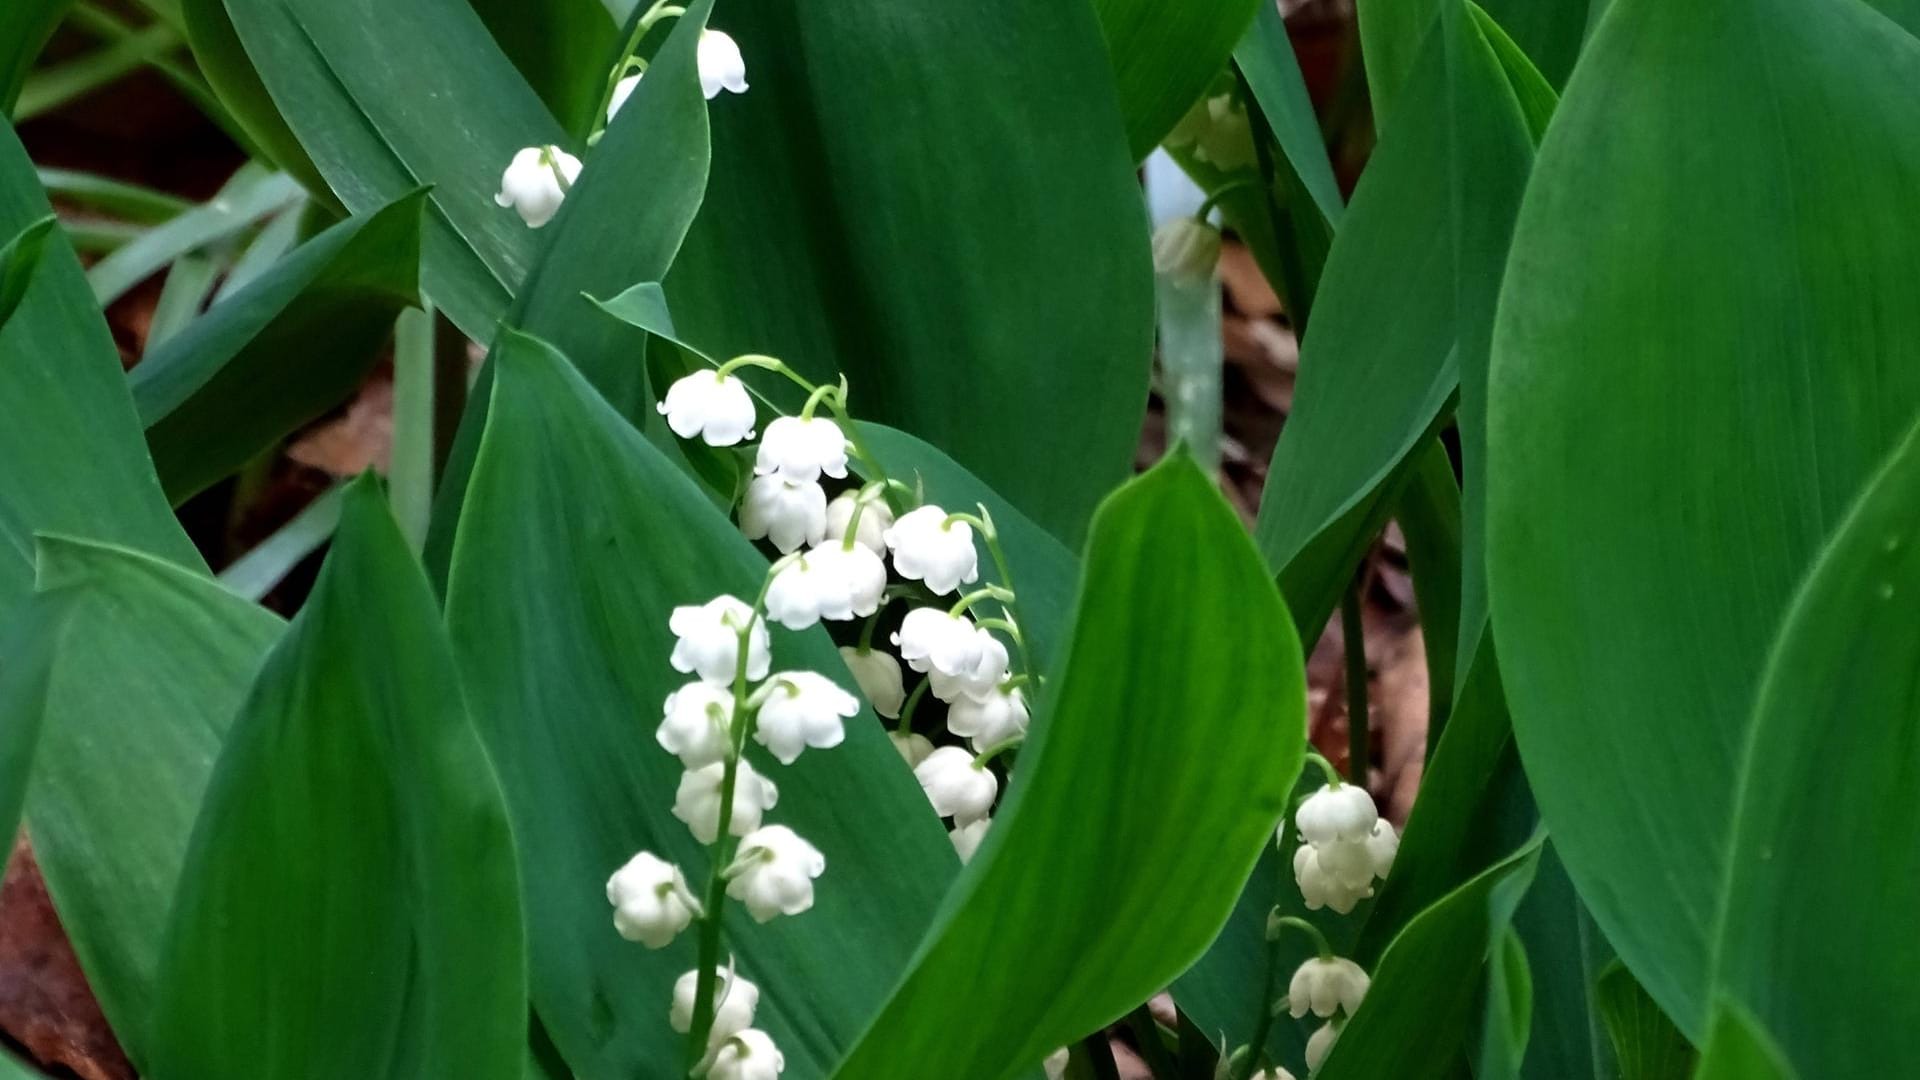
(252, 194)
(1161, 725)
(350, 905)
(153, 664)
(1646, 1045)
(1164, 53)
(1416, 1013)
(557, 44)
(1508, 1018)
(934, 162)
(218, 54)
(1737, 1049)
(1393, 34)
(31, 644)
(578, 539)
(1266, 60)
(75, 463)
(389, 96)
(1634, 621)
(25, 26)
(280, 352)
(19, 258)
(1845, 650)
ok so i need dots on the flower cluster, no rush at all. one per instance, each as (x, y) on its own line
(538, 178)
(1344, 847)
(1328, 986)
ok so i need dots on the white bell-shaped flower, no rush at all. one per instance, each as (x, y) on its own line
(709, 644)
(1336, 812)
(651, 901)
(697, 802)
(1325, 986)
(698, 728)
(710, 406)
(978, 681)
(879, 677)
(773, 872)
(1382, 845)
(929, 548)
(734, 1002)
(1056, 1063)
(992, 720)
(1321, 887)
(913, 749)
(806, 590)
(956, 787)
(802, 709)
(791, 515)
(1347, 862)
(859, 570)
(536, 183)
(1320, 1044)
(966, 838)
(800, 450)
(933, 640)
(747, 1055)
(876, 517)
(721, 65)
(622, 90)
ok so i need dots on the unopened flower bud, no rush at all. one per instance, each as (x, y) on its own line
(880, 679)
(1186, 248)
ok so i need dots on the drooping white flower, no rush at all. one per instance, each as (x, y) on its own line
(1342, 812)
(710, 406)
(698, 728)
(773, 873)
(622, 90)
(1056, 1063)
(913, 749)
(1382, 845)
(861, 571)
(991, 720)
(929, 548)
(1186, 249)
(1320, 1044)
(734, 1003)
(747, 1055)
(709, 644)
(876, 517)
(697, 802)
(721, 65)
(800, 450)
(802, 709)
(1320, 886)
(880, 679)
(933, 640)
(651, 901)
(955, 786)
(966, 838)
(806, 590)
(536, 183)
(792, 515)
(978, 681)
(1326, 986)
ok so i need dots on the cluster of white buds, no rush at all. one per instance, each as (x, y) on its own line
(1345, 846)
(537, 180)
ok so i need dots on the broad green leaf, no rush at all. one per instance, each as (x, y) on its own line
(657, 145)
(1177, 710)
(252, 194)
(1164, 53)
(31, 644)
(1737, 1049)
(25, 26)
(280, 352)
(153, 664)
(893, 199)
(389, 96)
(19, 258)
(1635, 618)
(578, 539)
(1566, 954)
(1645, 1043)
(1266, 60)
(1827, 967)
(1418, 1008)
(558, 45)
(75, 463)
(1507, 1024)
(1393, 32)
(349, 906)
(222, 59)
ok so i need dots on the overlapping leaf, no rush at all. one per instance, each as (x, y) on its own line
(1164, 54)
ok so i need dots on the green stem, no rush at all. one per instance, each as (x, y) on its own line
(1213, 198)
(820, 393)
(1355, 637)
(1295, 922)
(989, 592)
(1334, 779)
(1263, 1024)
(905, 726)
(985, 757)
(660, 10)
